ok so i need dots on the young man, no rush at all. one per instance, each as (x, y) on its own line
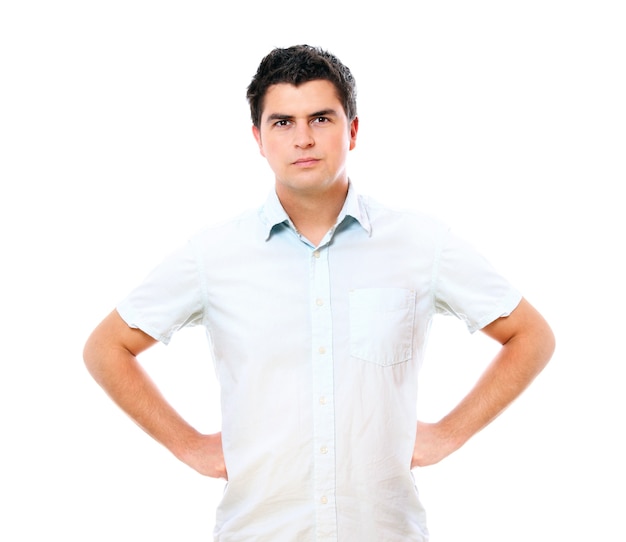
(317, 306)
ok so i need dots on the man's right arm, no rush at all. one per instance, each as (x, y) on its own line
(110, 355)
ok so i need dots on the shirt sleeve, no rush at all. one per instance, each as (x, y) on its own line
(168, 299)
(467, 286)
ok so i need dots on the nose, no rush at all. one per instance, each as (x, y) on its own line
(303, 136)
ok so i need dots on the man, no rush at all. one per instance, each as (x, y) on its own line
(317, 307)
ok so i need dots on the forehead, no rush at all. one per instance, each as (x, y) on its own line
(301, 100)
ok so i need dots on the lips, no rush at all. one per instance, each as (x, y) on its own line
(306, 161)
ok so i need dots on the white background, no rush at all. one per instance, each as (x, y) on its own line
(124, 128)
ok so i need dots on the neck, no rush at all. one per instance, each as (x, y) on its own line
(313, 214)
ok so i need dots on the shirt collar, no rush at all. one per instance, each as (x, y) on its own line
(274, 214)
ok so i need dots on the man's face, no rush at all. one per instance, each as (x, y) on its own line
(305, 136)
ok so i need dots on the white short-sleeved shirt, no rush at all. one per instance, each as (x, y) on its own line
(317, 352)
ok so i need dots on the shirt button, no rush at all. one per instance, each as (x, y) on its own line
(316, 254)
(324, 500)
(321, 350)
(322, 400)
(319, 302)
(323, 450)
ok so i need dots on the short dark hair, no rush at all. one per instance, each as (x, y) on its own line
(297, 65)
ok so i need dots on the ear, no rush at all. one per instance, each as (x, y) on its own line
(354, 128)
(257, 136)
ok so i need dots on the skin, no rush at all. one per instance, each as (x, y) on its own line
(305, 136)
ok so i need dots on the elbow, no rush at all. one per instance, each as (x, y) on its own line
(548, 343)
(96, 353)
(540, 336)
(541, 342)
(90, 356)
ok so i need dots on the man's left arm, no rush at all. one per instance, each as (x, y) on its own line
(527, 346)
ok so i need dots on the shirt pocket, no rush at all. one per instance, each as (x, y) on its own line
(381, 324)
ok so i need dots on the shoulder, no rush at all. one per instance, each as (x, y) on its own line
(232, 230)
(412, 222)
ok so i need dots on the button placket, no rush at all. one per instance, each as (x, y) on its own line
(323, 386)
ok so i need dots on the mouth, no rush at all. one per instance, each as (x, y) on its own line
(306, 161)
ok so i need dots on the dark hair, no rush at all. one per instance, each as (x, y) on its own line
(296, 65)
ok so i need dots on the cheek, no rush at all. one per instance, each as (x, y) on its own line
(272, 153)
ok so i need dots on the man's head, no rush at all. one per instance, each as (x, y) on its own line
(297, 65)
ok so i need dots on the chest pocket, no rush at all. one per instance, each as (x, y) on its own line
(381, 324)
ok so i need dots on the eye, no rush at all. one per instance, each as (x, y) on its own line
(282, 122)
(321, 120)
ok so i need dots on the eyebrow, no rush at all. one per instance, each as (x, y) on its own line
(280, 116)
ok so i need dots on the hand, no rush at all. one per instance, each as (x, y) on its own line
(206, 456)
(432, 444)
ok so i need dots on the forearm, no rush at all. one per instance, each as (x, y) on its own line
(516, 365)
(122, 377)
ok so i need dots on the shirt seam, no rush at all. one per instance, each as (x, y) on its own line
(435, 274)
(203, 286)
